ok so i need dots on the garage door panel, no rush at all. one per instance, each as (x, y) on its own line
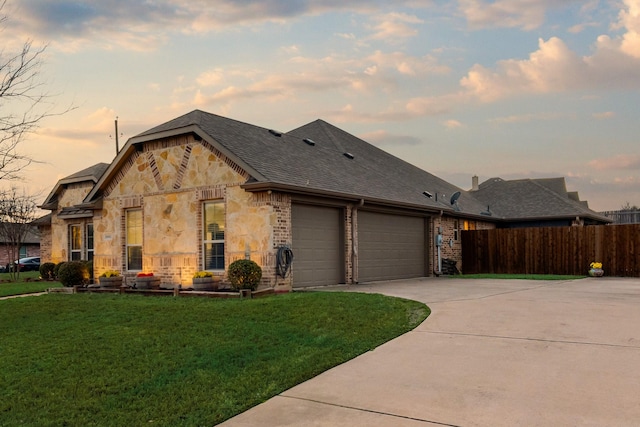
(316, 245)
(390, 246)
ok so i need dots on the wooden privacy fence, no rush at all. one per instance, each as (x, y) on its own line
(553, 250)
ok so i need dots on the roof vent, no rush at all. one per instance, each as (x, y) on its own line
(427, 194)
(275, 133)
(349, 156)
(309, 141)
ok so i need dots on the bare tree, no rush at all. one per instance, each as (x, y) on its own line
(17, 213)
(23, 103)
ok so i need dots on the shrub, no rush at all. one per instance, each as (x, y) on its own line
(73, 273)
(46, 270)
(56, 269)
(244, 274)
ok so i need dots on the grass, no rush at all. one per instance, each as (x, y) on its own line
(519, 276)
(22, 286)
(114, 360)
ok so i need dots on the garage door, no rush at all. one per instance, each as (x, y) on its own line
(317, 246)
(390, 246)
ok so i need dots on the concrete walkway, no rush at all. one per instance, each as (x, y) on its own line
(492, 353)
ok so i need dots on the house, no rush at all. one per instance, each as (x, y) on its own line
(29, 247)
(201, 190)
(535, 203)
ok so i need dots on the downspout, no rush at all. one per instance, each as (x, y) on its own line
(354, 241)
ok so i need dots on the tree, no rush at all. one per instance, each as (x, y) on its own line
(17, 213)
(23, 103)
(628, 208)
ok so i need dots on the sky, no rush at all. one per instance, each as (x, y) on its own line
(505, 88)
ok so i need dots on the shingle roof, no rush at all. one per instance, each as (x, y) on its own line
(533, 199)
(90, 174)
(371, 174)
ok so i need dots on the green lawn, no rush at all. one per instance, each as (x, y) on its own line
(22, 286)
(518, 276)
(116, 360)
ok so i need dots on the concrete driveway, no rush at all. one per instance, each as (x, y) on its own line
(492, 353)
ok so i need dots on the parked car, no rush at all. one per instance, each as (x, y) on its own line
(27, 264)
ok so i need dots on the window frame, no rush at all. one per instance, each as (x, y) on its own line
(128, 244)
(90, 239)
(218, 238)
(72, 241)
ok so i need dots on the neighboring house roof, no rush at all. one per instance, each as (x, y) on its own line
(534, 199)
(32, 236)
(333, 163)
(91, 174)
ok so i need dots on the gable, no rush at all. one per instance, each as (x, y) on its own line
(173, 164)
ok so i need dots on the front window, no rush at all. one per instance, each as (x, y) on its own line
(469, 225)
(213, 241)
(89, 242)
(134, 239)
(456, 227)
(75, 242)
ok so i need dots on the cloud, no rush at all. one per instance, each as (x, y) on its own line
(143, 26)
(452, 124)
(526, 118)
(374, 74)
(555, 68)
(603, 115)
(211, 77)
(394, 27)
(619, 162)
(526, 14)
(384, 138)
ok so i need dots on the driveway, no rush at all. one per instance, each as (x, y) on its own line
(492, 353)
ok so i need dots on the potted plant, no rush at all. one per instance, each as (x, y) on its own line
(596, 270)
(204, 281)
(244, 276)
(110, 279)
(146, 281)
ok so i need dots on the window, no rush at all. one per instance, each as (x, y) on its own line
(89, 242)
(134, 239)
(456, 228)
(75, 242)
(469, 225)
(213, 240)
(22, 252)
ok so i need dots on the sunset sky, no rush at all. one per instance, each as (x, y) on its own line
(508, 88)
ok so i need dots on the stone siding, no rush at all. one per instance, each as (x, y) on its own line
(170, 180)
(72, 195)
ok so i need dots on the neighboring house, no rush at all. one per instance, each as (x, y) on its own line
(623, 216)
(30, 247)
(201, 191)
(535, 203)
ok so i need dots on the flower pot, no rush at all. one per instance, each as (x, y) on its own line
(204, 284)
(110, 282)
(596, 272)
(148, 282)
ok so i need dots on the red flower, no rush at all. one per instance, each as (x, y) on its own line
(144, 275)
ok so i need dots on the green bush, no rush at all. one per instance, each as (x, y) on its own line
(46, 270)
(56, 269)
(73, 273)
(244, 274)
